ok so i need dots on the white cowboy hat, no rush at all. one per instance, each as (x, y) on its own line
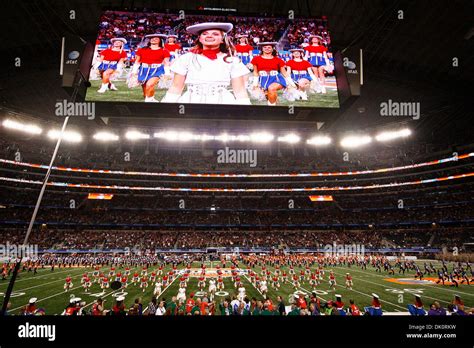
(267, 43)
(149, 36)
(198, 28)
(375, 295)
(32, 300)
(173, 35)
(118, 39)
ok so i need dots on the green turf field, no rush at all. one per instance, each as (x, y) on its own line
(125, 94)
(47, 286)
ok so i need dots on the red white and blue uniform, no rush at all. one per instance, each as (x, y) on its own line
(173, 49)
(244, 52)
(269, 71)
(299, 70)
(151, 63)
(111, 59)
(316, 54)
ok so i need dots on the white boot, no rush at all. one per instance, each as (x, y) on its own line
(112, 87)
(151, 100)
(304, 95)
(103, 88)
(323, 89)
(271, 104)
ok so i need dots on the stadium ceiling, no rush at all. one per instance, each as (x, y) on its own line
(414, 52)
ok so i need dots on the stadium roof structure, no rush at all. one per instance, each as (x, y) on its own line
(408, 56)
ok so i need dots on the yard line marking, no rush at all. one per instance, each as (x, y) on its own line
(252, 284)
(389, 287)
(179, 273)
(37, 286)
(38, 277)
(365, 294)
(47, 298)
(316, 294)
(110, 293)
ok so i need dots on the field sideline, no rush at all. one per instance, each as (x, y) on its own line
(47, 286)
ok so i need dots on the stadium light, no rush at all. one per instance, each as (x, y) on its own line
(105, 136)
(290, 138)
(26, 128)
(386, 136)
(261, 137)
(136, 135)
(319, 140)
(355, 141)
(69, 136)
(224, 137)
(207, 137)
(178, 136)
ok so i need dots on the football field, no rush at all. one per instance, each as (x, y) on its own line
(395, 291)
(125, 94)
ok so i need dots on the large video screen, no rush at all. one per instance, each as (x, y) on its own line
(150, 57)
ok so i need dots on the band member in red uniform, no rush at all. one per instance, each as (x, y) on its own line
(151, 63)
(353, 309)
(332, 280)
(98, 307)
(111, 62)
(348, 281)
(316, 53)
(68, 284)
(269, 72)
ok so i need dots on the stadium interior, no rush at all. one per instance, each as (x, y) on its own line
(142, 189)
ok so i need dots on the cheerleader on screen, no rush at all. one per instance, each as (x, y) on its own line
(270, 72)
(172, 46)
(210, 71)
(243, 49)
(301, 72)
(111, 62)
(151, 63)
(316, 54)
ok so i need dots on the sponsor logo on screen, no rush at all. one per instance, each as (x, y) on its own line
(73, 57)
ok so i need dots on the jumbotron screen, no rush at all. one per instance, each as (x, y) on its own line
(213, 59)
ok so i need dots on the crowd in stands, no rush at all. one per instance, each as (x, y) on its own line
(67, 239)
(134, 26)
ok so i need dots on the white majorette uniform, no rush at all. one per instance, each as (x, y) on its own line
(181, 294)
(157, 291)
(241, 295)
(212, 286)
(208, 81)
